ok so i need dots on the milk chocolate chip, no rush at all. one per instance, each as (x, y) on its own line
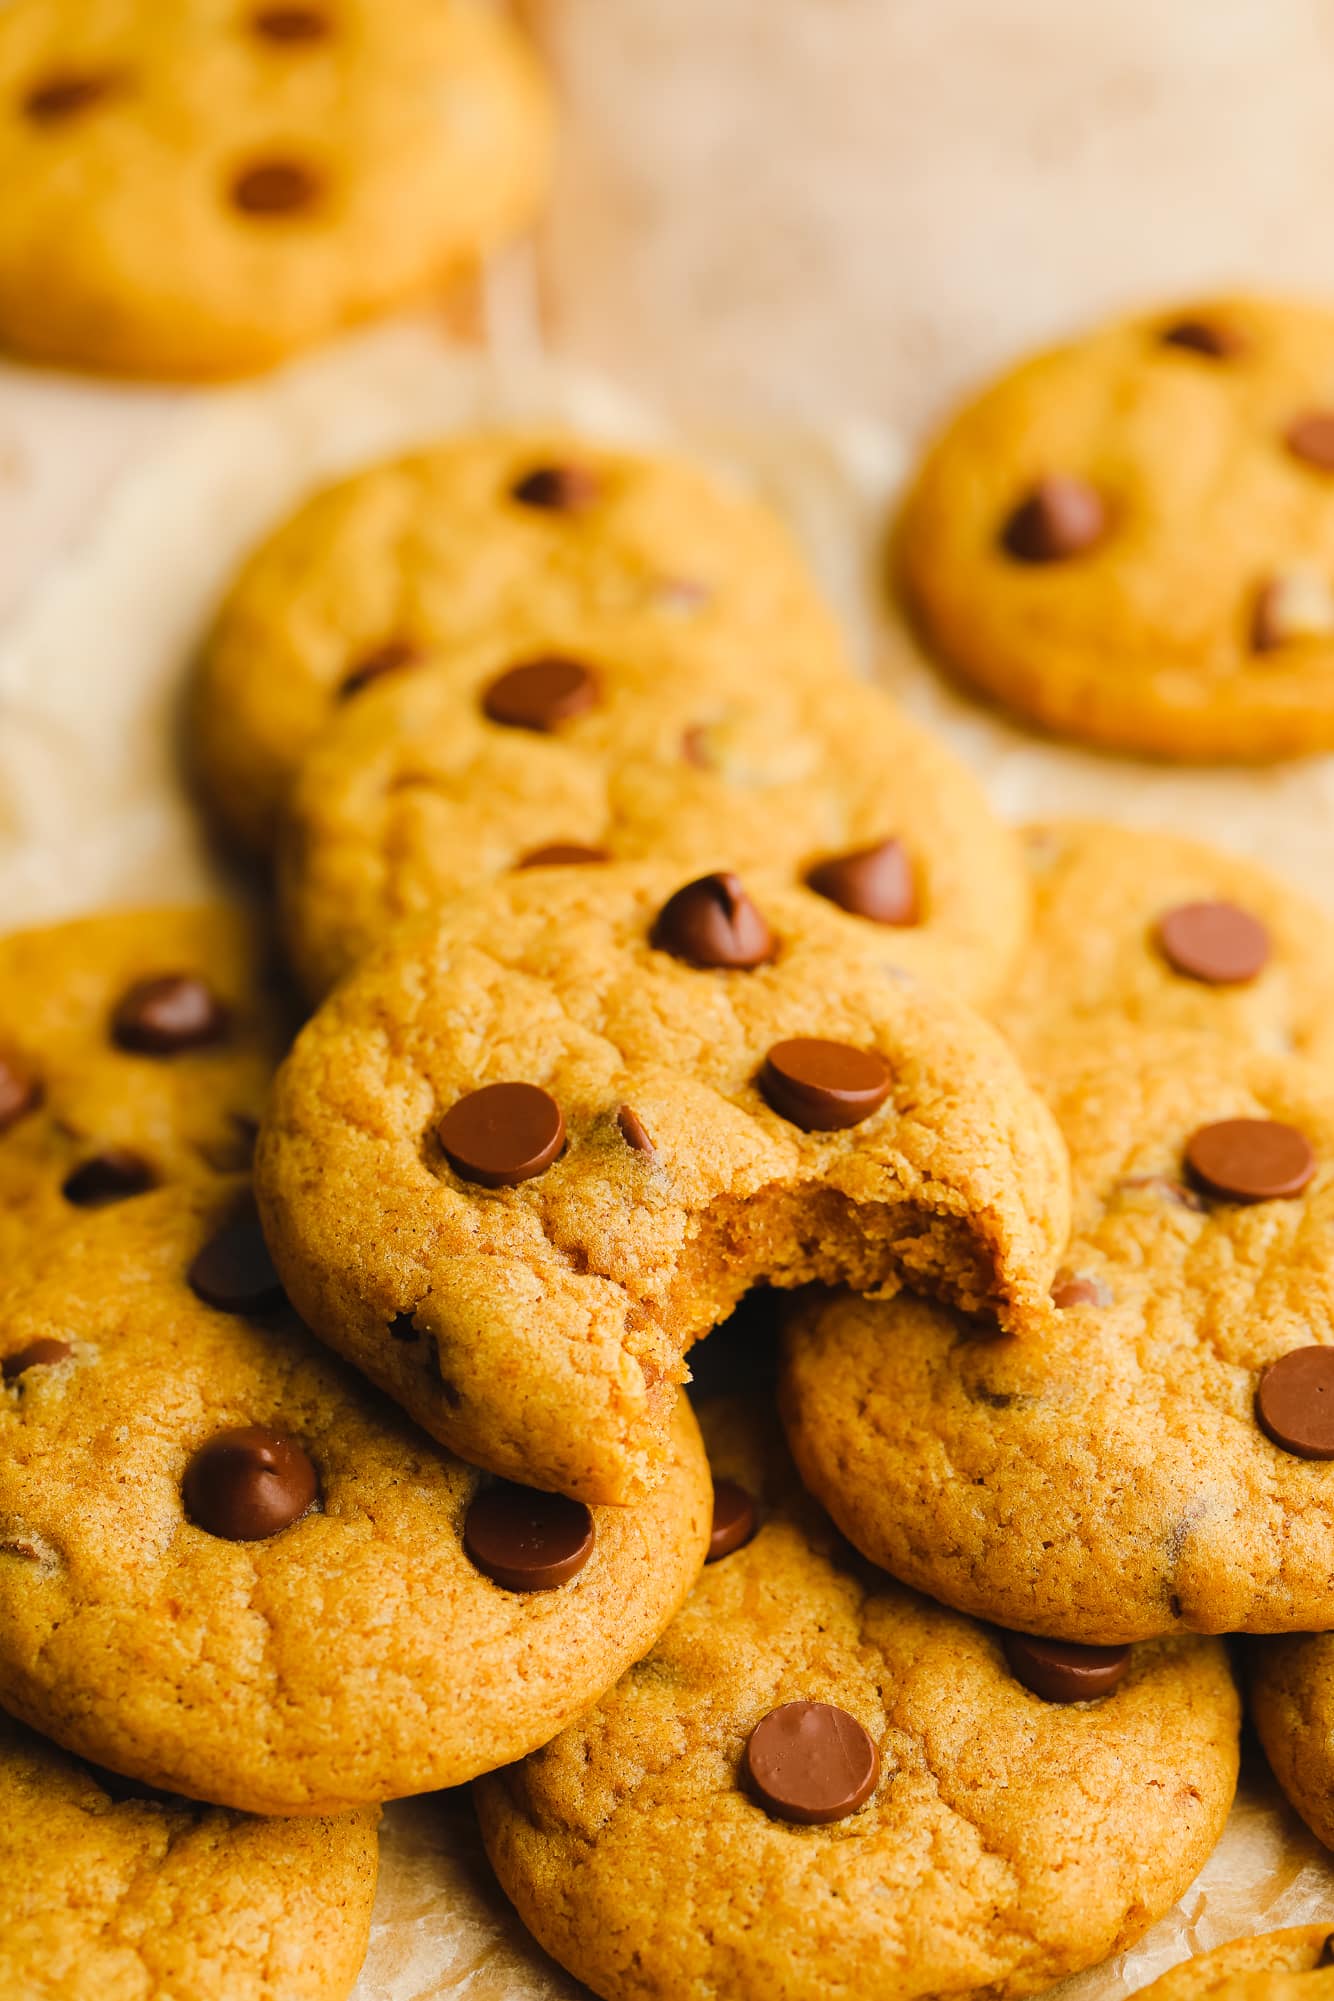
(249, 1483)
(1310, 437)
(734, 1519)
(1217, 943)
(541, 695)
(1211, 338)
(712, 922)
(563, 854)
(1294, 1402)
(875, 882)
(1060, 518)
(502, 1134)
(40, 1354)
(275, 188)
(567, 489)
(824, 1086)
(812, 1763)
(525, 1540)
(1060, 1671)
(1251, 1160)
(169, 1013)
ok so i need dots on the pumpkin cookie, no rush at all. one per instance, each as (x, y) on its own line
(229, 1570)
(820, 1772)
(531, 542)
(1292, 1704)
(136, 1051)
(1161, 932)
(527, 1154)
(436, 781)
(1293, 1965)
(196, 190)
(1159, 1461)
(1131, 539)
(129, 1895)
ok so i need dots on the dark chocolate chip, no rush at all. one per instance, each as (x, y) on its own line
(502, 1134)
(713, 923)
(169, 1013)
(541, 694)
(1310, 438)
(562, 854)
(39, 1354)
(234, 1272)
(525, 1540)
(734, 1519)
(248, 1483)
(275, 188)
(1250, 1160)
(1211, 338)
(20, 1091)
(812, 1763)
(1294, 1402)
(391, 658)
(112, 1176)
(1218, 943)
(824, 1086)
(1060, 1671)
(875, 882)
(1060, 518)
(567, 489)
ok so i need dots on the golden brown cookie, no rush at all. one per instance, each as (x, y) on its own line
(196, 190)
(1154, 1464)
(560, 1130)
(1295, 1965)
(1130, 539)
(531, 542)
(481, 764)
(820, 1783)
(136, 1050)
(1292, 1704)
(227, 1568)
(1161, 932)
(128, 1895)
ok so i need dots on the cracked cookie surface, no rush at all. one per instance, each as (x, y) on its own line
(671, 1161)
(1006, 1842)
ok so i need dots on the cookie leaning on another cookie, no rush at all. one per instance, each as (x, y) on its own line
(198, 191)
(820, 1780)
(485, 762)
(1295, 1965)
(1155, 1463)
(1292, 1705)
(227, 1568)
(1130, 539)
(128, 1895)
(529, 1152)
(491, 538)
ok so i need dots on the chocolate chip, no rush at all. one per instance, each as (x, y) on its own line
(1071, 1289)
(39, 1354)
(1059, 1671)
(1294, 606)
(1062, 517)
(234, 1272)
(567, 489)
(1250, 1160)
(634, 1132)
(711, 922)
(171, 1012)
(1327, 1952)
(1218, 943)
(1294, 1402)
(1310, 437)
(391, 658)
(875, 882)
(541, 694)
(112, 1176)
(1210, 338)
(290, 24)
(248, 1483)
(734, 1519)
(695, 747)
(20, 1091)
(275, 187)
(824, 1086)
(812, 1763)
(562, 854)
(525, 1540)
(502, 1134)
(61, 97)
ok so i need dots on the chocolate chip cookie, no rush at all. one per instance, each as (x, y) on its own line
(198, 191)
(820, 1772)
(1130, 539)
(1295, 1965)
(228, 1569)
(534, 542)
(1161, 1460)
(528, 1153)
(110, 1889)
(1292, 1704)
(481, 764)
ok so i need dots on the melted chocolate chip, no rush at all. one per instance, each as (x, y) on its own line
(875, 882)
(1294, 1402)
(43, 1353)
(1060, 518)
(735, 1519)
(502, 1134)
(1060, 1671)
(824, 1086)
(167, 1014)
(541, 694)
(525, 1540)
(811, 1763)
(249, 1483)
(114, 1175)
(713, 923)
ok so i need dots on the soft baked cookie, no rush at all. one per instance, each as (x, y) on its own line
(1296, 1965)
(1158, 1461)
(130, 1896)
(437, 780)
(198, 190)
(1163, 932)
(531, 541)
(227, 1568)
(1292, 1704)
(136, 1051)
(529, 1152)
(1131, 539)
(820, 1783)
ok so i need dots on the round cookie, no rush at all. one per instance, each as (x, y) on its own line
(1130, 539)
(1143, 1469)
(945, 1831)
(198, 190)
(1292, 1705)
(518, 539)
(228, 1569)
(136, 1051)
(559, 1130)
(1162, 932)
(126, 1895)
(1296, 1965)
(424, 788)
